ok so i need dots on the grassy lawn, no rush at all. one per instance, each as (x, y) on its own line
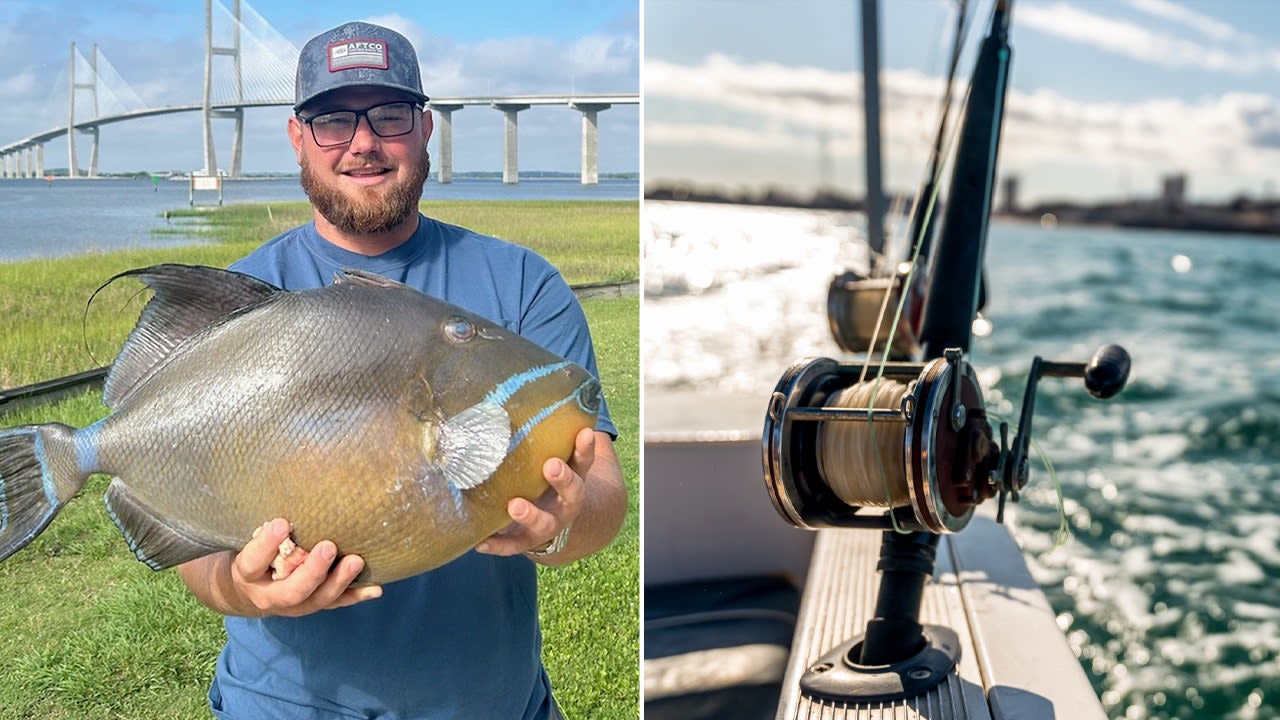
(86, 631)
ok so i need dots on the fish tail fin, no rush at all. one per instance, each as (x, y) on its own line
(38, 475)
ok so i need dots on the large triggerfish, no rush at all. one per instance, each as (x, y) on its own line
(367, 413)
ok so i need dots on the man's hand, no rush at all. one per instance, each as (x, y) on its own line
(309, 582)
(587, 491)
(535, 524)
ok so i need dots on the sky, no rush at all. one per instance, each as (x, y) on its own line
(481, 48)
(1107, 97)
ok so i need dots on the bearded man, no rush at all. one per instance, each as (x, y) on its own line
(461, 641)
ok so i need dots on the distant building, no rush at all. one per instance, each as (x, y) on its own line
(1010, 204)
(1174, 195)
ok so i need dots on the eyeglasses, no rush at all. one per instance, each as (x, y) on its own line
(391, 119)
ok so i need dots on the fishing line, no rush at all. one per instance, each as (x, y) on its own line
(907, 281)
(1063, 532)
(935, 188)
(858, 458)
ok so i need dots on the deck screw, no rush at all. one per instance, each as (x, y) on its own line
(920, 674)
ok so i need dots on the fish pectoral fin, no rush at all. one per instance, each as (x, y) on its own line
(473, 443)
(154, 541)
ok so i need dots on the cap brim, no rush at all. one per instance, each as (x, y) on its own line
(363, 83)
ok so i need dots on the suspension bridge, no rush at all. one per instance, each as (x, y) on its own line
(248, 64)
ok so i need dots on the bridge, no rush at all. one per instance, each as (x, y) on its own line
(261, 74)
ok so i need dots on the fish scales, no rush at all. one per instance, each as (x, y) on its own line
(366, 413)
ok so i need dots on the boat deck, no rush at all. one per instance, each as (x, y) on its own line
(707, 515)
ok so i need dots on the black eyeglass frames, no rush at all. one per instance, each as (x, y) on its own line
(339, 126)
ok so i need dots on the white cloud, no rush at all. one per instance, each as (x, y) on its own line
(1196, 21)
(1140, 43)
(720, 106)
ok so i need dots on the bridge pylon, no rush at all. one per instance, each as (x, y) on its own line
(92, 87)
(237, 114)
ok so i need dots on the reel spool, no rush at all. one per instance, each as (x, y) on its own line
(923, 452)
(931, 456)
(856, 306)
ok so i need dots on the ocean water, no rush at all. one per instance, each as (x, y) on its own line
(1168, 589)
(70, 217)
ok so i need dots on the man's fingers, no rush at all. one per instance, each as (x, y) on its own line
(255, 559)
(567, 487)
(320, 584)
(336, 590)
(584, 451)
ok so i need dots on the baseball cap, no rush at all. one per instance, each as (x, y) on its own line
(355, 54)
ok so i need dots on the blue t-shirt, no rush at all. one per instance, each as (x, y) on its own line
(460, 641)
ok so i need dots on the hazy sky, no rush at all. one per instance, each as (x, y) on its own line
(486, 47)
(1107, 96)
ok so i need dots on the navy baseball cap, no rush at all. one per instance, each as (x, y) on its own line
(356, 54)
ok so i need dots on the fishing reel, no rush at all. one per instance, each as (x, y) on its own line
(913, 441)
(856, 307)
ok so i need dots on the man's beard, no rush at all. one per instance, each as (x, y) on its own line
(372, 211)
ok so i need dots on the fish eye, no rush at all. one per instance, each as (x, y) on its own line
(459, 329)
(589, 396)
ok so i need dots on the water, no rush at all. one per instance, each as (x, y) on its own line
(1167, 589)
(69, 217)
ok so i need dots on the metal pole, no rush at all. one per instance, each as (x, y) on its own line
(871, 108)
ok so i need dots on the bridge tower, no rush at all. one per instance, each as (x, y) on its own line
(92, 87)
(590, 140)
(510, 140)
(237, 114)
(445, 111)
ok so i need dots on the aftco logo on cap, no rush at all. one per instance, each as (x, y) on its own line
(357, 53)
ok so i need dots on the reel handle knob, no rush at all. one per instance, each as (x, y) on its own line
(1107, 371)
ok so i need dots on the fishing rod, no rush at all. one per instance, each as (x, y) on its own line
(906, 447)
(857, 304)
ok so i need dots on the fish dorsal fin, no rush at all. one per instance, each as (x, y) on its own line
(362, 278)
(473, 443)
(188, 299)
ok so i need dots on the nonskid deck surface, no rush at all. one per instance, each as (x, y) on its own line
(1014, 661)
(707, 515)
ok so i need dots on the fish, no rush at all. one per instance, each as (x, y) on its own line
(391, 422)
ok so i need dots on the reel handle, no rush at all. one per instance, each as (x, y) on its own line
(1104, 375)
(1107, 371)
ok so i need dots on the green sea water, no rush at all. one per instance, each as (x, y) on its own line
(1168, 588)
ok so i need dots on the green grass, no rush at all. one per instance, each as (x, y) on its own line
(43, 302)
(86, 631)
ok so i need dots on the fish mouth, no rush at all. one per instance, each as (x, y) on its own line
(589, 396)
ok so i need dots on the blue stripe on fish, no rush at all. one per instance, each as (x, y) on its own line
(29, 492)
(86, 447)
(523, 432)
(46, 482)
(458, 503)
(512, 385)
(46, 478)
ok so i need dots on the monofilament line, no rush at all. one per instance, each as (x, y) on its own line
(863, 461)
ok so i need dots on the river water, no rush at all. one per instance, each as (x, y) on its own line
(1167, 589)
(39, 218)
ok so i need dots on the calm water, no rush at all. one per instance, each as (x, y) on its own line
(68, 217)
(1167, 590)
